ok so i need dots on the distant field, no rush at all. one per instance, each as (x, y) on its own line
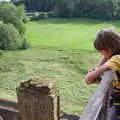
(74, 34)
(60, 49)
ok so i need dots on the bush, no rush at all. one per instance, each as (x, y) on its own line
(25, 44)
(9, 37)
(12, 29)
(11, 14)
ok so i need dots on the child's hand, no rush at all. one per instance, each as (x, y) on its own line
(97, 80)
(95, 74)
(88, 82)
(90, 78)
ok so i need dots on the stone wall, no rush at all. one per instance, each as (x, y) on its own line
(8, 110)
(38, 100)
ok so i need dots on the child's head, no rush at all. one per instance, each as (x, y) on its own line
(108, 39)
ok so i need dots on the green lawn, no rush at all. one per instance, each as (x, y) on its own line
(60, 49)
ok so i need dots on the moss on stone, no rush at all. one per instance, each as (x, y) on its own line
(41, 85)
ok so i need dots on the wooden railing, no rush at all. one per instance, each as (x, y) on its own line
(97, 108)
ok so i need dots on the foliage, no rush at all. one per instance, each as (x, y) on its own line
(14, 17)
(9, 37)
(102, 9)
(87, 8)
(38, 5)
(25, 44)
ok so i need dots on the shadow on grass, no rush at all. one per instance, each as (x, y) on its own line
(80, 21)
(71, 21)
(68, 116)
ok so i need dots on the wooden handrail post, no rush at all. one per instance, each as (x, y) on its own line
(96, 101)
(38, 100)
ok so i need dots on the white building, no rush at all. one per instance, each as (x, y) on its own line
(5, 0)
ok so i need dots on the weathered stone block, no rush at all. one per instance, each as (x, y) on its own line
(38, 100)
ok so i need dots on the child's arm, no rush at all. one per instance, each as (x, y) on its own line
(90, 77)
(97, 79)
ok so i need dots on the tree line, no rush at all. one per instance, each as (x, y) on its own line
(98, 9)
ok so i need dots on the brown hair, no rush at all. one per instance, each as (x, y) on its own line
(108, 38)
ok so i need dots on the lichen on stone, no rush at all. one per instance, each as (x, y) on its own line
(41, 85)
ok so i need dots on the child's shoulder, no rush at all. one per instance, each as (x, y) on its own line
(114, 63)
(115, 57)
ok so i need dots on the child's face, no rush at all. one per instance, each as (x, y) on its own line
(106, 53)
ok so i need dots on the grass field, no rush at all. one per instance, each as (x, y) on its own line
(60, 49)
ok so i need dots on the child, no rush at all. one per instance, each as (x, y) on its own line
(108, 45)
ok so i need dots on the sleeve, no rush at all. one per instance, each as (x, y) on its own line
(114, 63)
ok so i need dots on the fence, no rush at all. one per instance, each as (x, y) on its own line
(97, 108)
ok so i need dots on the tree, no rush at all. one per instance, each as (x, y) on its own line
(12, 30)
(98, 9)
(14, 15)
(9, 37)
